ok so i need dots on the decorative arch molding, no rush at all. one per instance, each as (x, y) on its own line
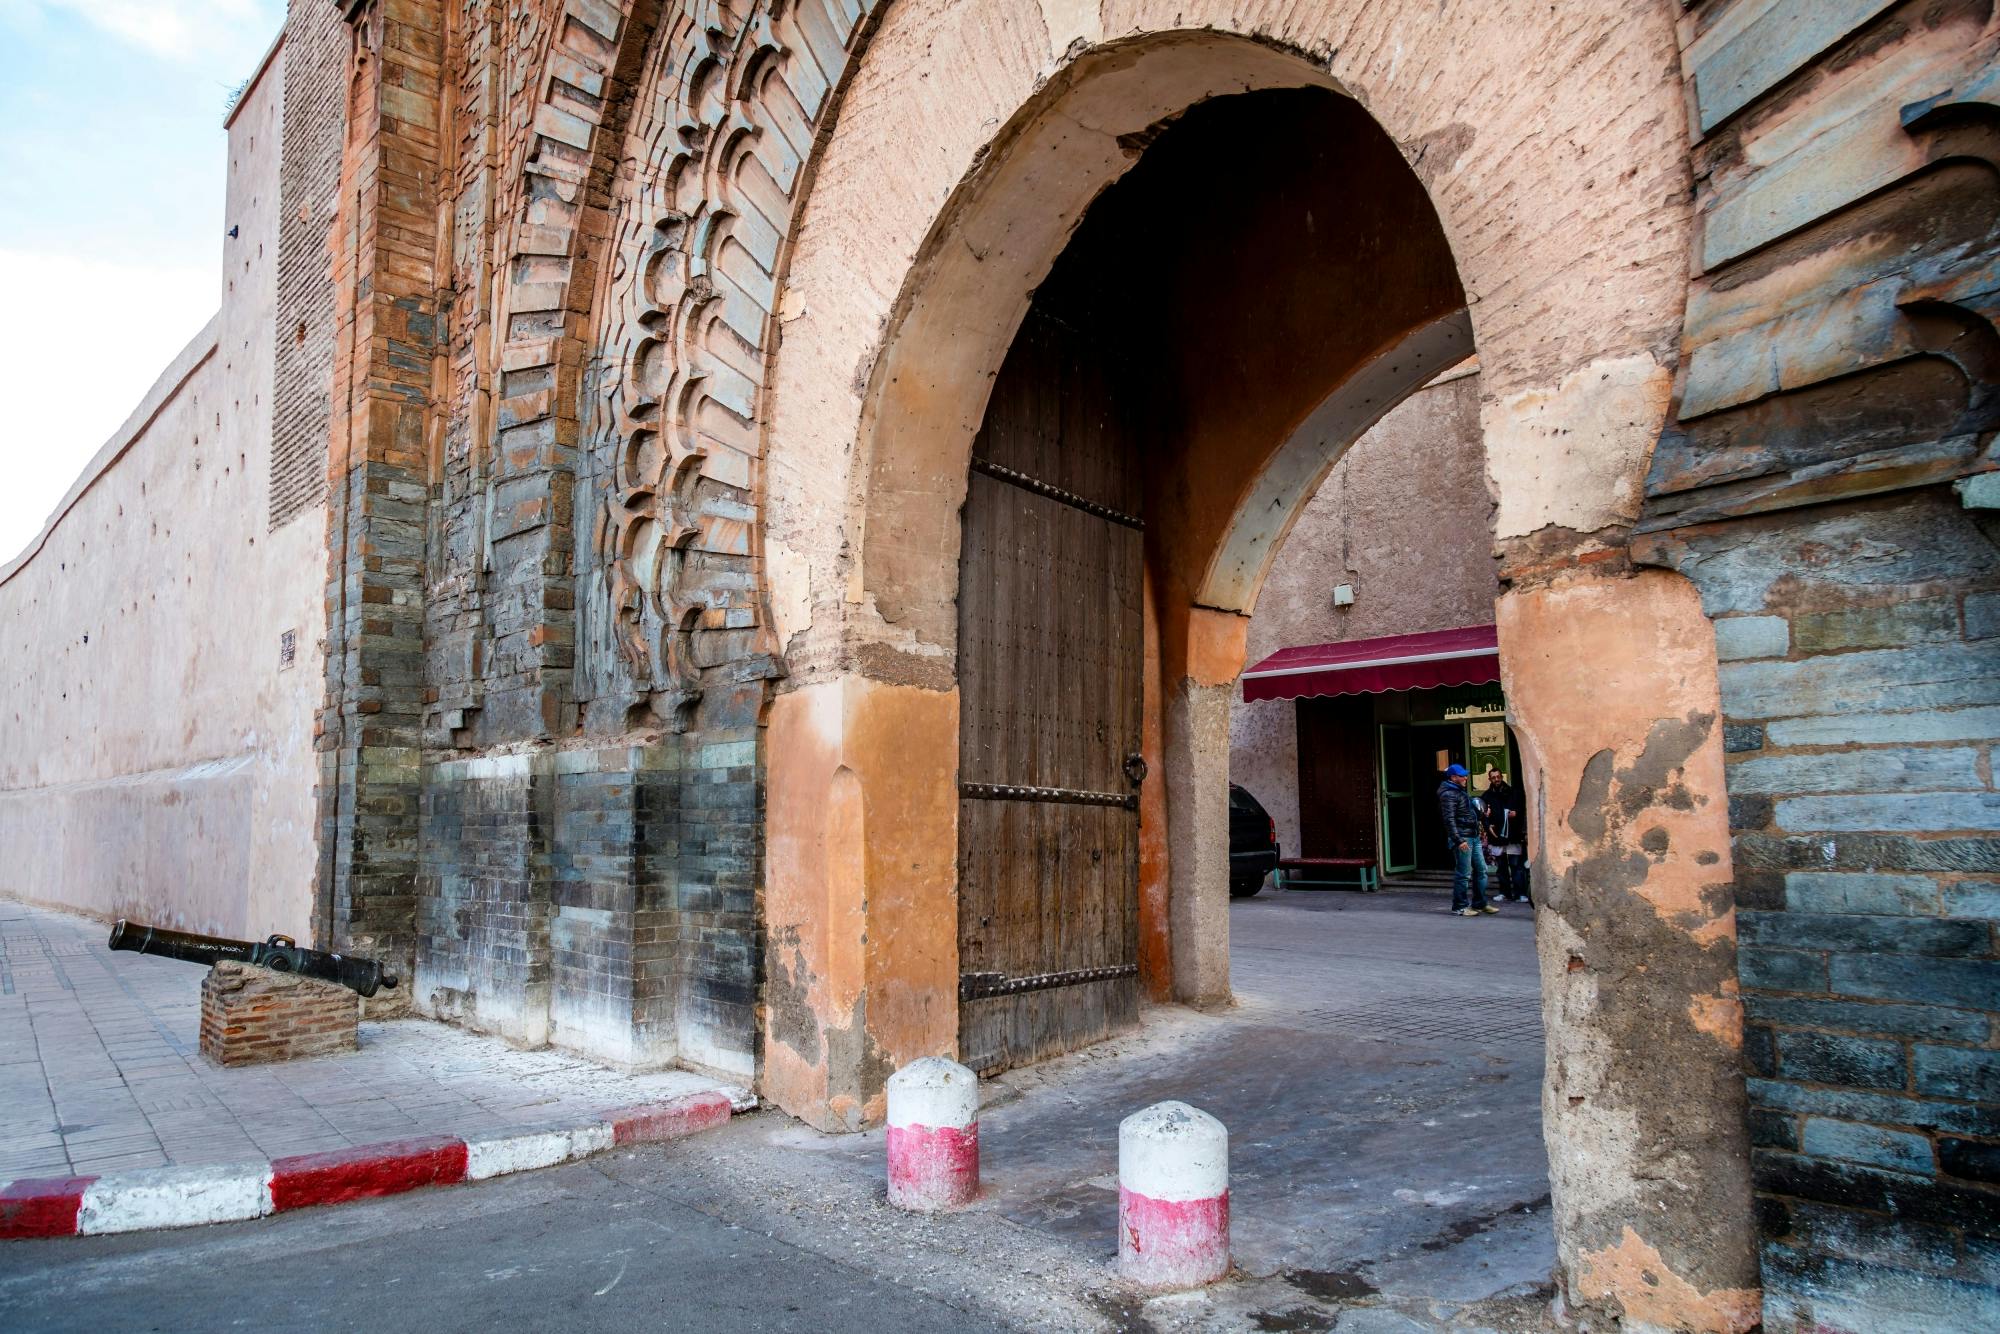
(728, 112)
(658, 178)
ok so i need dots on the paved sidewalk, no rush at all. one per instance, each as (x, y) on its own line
(100, 1072)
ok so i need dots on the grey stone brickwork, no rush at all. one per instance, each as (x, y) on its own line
(602, 899)
(1863, 704)
(1805, 490)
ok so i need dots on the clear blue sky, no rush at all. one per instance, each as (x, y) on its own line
(110, 216)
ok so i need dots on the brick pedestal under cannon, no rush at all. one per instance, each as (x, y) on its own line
(251, 1015)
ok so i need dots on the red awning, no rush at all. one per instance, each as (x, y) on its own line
(1467, 657)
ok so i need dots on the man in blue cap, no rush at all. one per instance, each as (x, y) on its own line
(1461, 832)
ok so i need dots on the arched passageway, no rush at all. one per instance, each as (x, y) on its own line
(1209, 305)
(1270, 313)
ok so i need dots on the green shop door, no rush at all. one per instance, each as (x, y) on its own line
(1399, 808)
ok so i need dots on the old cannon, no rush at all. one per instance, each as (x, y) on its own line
(280, 954)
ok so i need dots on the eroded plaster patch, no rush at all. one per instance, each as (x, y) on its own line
(1072, 21)
(1646, 797)
(1634, 1276)
(1719, 1015)
(1574, 456)
(1611, 681)
(1217, 641)
(788, 581)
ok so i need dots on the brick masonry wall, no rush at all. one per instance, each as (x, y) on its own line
(252, 1015)
(483, 909)
(720, 880)
(383, 418)
(1837, 380)
(308, 190)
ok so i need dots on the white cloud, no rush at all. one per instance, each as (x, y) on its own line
(171, 28)
(86, 339)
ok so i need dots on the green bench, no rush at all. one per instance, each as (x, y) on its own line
(1357, 872)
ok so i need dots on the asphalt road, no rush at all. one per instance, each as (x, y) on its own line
(573, 1248)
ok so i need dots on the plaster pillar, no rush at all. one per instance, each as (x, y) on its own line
(1611, 680)
(861, 894)
(1196, 758)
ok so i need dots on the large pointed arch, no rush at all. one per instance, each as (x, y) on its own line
(970, 143)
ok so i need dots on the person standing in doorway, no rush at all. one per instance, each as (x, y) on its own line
(1463, 835)
(1507, 834)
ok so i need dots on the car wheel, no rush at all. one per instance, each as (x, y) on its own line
(1243, 889)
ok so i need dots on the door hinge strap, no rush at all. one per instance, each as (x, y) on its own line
(978, 986)
(1067, 795)
(1001, 473)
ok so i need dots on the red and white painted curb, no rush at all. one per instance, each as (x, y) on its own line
(933, 1137)
(169, 1197)
(1173, 1197)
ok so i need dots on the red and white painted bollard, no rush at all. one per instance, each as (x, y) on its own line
(1173, 1197)
(933, 1135)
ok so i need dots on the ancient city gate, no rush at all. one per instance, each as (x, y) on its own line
(1050, 648)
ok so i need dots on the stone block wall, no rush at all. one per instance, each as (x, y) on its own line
(482, 898)
(1862, 729)
(602, 899)
(252, 1015)
(1838, 379)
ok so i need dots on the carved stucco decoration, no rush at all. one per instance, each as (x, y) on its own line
(728, 107)
(1799, 296)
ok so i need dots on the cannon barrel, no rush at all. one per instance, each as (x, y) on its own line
(280, 954)
(182, 945)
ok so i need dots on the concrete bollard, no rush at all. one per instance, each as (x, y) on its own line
(1173, 1197)
(933, 1135)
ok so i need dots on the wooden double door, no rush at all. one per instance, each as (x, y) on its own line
(1049, 657)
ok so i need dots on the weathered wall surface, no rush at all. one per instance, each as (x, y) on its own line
(1406, 518)
(652, 382)
(155, 746)
(1841, 368)
(1611, 686)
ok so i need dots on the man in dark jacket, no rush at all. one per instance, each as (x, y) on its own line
(1507, 836)
(1461, 832)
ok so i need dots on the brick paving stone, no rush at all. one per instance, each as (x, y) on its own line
(100, 1071)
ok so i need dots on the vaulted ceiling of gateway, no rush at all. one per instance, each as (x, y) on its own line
(1261, 247)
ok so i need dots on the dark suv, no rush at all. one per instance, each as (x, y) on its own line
(1253, 844)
